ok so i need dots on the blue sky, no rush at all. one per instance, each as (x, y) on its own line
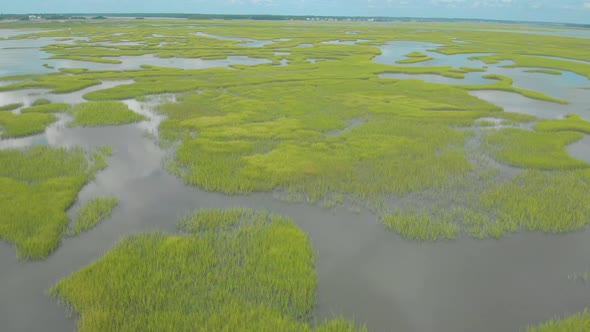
(570, 11)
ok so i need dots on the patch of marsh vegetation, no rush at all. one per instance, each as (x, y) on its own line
(543, 71)
(18, 125)
(38, 185)
(47, 108)
(235, 270)
(11, 107)
(571, 122)
(249, 141)
(414, 57)
(534, 149)
(92, 213)
(579, 322)
(534, 200)
(103, 113)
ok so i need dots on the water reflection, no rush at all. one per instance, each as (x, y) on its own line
(248, 42)
(25, 56)
(565, 86)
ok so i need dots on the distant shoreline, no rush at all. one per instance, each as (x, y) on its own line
(66, 16)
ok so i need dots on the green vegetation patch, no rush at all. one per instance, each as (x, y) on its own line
(41, 101)
(543, 71)
(38, 185)
(46, 108)
(56, 82)
(245, 139)
(572, 122)
(532, 149)
(551, 202)
(93, 212)
(257, 276)
(101, 113)
(414, 57)
(11, 107)
(536, 200)
(579, 322)
(18, 125)
(419, 226)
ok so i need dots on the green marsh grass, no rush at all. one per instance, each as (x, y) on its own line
(551, 202)
(92, 213)
(571, 122)
(41, 101)
(38, 185)
(543, 71)
(533, 149)
(579, 322)
(257, 275)
(404, 144)
(18, 125)
(56, 82)
(420, 226)
(11, 107)
(100, 113)
(46, 108)
(414, 57)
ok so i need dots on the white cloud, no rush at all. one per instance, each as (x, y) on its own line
(587, 5)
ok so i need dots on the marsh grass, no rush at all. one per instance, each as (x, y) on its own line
(41, 101)
(535, 149)
(101, 113)
(572, 122)
(420, 226)
(46, 108)
(18, 125)
(11, 107)
(38, 185)
(92, 213)
(551, 202)
(414, 57)
(543, 71)
(247, 141)
(255, 276)
(579, 322)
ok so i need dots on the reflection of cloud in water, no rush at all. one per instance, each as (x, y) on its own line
(53, 135)
(135, 62)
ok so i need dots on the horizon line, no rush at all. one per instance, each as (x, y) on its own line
(187, 15)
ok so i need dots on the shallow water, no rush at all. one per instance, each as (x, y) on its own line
(24, 56)
(563, 59)
(580, 149)
(248, 42)
(512, 102)
(470, 78)
(344, 42)
(394, 51)
(566, 86)
(135, 62)
(28, 96)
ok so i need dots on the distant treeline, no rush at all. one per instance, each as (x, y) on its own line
(271, 18)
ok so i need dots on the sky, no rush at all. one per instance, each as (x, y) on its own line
(566, 11)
